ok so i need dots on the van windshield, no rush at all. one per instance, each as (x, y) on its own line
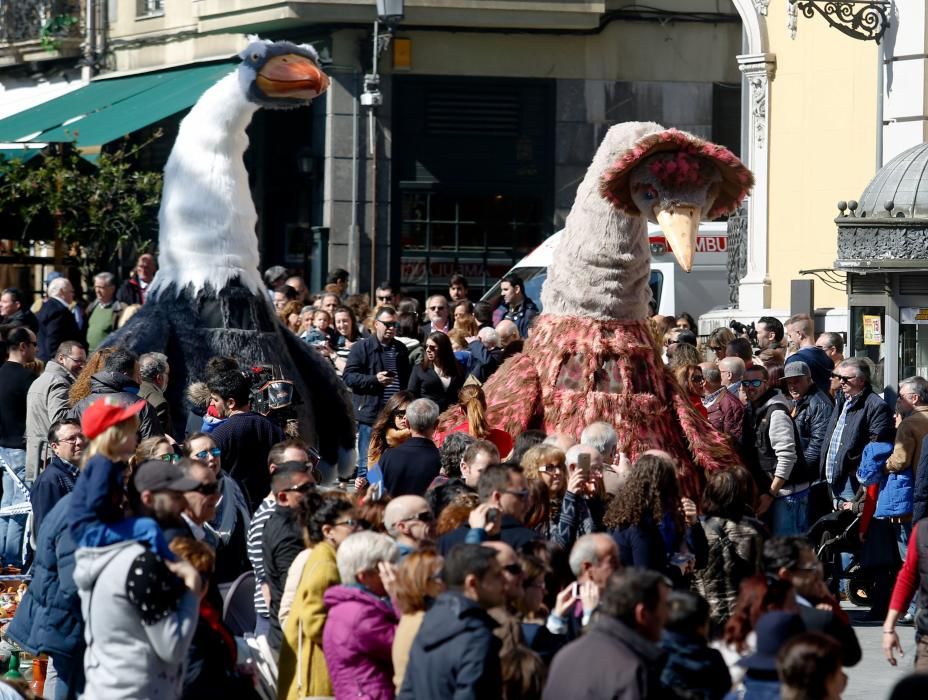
(534, 278)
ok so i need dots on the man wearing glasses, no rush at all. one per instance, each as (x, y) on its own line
(410, 522)
(57, 479)
(773, 452)
(377, 368)
(436, 309)
(859, 416)
(282, 539)
(384, 296)
(47, 401)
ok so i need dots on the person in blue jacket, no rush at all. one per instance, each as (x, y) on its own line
(48, 620)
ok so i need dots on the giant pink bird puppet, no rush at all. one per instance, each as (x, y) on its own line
(592, 355)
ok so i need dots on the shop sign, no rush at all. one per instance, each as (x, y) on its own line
(913, 315)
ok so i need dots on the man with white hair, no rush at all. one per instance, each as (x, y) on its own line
(582, 509)
(487, 354)
(562, 441)
(410, 467)
(602, 437)
(731, 370)
(103, 312)
(593, 559)
(509, 338)
(410, 522)
(436, 308)
(56, 322)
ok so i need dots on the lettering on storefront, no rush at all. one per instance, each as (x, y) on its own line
(913, 315)
(421, 271)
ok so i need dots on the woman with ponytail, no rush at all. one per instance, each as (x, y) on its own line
(473, 405)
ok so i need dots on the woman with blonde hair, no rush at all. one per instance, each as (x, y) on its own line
(473, 404)
(80, 389)
(418, 583)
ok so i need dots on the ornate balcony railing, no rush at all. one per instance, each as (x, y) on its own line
(43, 22)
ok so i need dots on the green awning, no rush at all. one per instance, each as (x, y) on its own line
(108, 109)
(22, 154)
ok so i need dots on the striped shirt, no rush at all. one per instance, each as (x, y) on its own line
(389, 363)
(256, 549)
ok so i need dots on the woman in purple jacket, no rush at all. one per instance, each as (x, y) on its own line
(358, 636)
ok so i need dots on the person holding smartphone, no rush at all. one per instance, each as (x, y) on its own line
(377, 368)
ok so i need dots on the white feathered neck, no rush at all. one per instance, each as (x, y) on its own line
(207, 218)
(602, 264)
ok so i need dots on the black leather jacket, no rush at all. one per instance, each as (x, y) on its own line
(813, 412)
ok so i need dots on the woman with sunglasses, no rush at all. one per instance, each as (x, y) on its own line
(327, 521)
(389, 430)
(232, 517)
(718, 342)
(693, 384)
(438, 376)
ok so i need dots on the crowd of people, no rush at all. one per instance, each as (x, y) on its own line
(462, 562)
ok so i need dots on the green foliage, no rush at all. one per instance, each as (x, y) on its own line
(55, 28)
(99, 214)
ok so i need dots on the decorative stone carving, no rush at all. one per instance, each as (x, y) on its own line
(759, 107)
(792, 17)
(737, 252)
(761, 6)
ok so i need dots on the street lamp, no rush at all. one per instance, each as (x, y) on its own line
(390, 12)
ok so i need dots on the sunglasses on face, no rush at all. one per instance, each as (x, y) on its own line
(437, 308)
(841, 378)
(388, 324)
(520, 493)
(423, 517)
(399, 413)
(754, 383)
(380, 298)
(305, 487)
(432, 348)
(203, 454)
(699, 379)
(350, 522)
(550, 468)
(208, 489)
(170, 457)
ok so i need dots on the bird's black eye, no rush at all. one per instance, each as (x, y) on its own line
(255, 57)
(650, 194)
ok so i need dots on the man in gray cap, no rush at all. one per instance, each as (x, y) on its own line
(811, 409)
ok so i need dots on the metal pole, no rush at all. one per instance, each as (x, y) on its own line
(372, 140)
(879, 105)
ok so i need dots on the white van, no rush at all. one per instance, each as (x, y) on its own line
(674, 290)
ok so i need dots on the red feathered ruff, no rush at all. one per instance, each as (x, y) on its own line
(648, 408)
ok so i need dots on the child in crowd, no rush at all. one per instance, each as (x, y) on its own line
(318, 335)
(96, 512)
(692, 665)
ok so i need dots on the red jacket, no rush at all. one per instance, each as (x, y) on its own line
(726, 414)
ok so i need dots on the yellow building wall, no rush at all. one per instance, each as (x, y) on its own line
(823, 122)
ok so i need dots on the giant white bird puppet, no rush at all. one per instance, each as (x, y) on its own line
(208, 298)
(592, 356)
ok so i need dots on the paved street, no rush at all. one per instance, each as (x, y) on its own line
(873, 678)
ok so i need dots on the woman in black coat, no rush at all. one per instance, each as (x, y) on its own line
(438, 376)
(653, 526)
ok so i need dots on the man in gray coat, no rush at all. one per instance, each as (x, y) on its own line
(47, 402)
(619, 657)
(140, 611)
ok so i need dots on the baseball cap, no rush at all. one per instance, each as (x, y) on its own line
(105, 413)
(773, 630)
(796, 368)
(158, 475)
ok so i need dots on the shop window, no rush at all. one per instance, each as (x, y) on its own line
(149, 8)
(913, 342)
(868, 325)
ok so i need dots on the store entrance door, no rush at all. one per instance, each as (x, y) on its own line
(913, 342)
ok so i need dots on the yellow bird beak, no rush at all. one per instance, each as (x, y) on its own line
(680, 225)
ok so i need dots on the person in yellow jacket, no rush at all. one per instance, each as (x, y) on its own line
(327, 520)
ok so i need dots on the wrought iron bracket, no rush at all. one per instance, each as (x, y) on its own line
(859, 19)
(831, 278)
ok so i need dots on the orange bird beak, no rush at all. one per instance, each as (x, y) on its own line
(292, 76)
